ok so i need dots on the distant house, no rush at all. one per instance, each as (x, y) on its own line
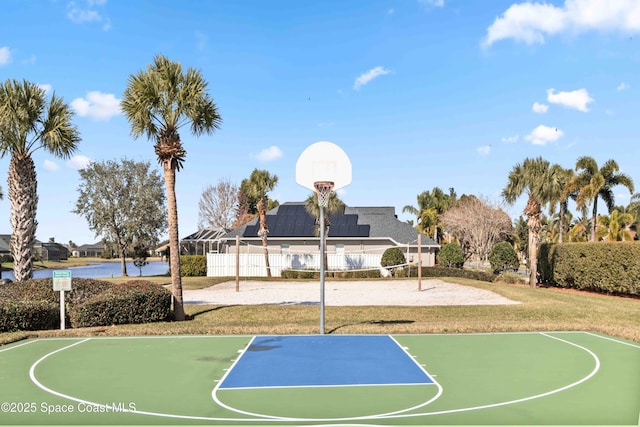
(50, 251)
(357, 237)
(94, 250)
(202, 241)
(5, 244)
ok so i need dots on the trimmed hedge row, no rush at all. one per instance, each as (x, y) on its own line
(33, 305)
(28, 315)
(193, 265)
(608, 267)
(399, 272)
(132, 302)
(313, 274)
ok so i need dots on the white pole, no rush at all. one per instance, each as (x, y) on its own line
(322, 250)
(62, 310)
(237, 263)
(419, 262)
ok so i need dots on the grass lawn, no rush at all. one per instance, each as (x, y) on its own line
(541, 309)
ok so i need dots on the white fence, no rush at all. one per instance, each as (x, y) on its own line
(222, 265)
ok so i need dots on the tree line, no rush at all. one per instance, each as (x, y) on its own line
(162, 99)
(477, 224)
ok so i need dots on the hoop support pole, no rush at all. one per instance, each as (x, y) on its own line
(322, 251)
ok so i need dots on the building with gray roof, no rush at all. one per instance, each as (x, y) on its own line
(356, 230)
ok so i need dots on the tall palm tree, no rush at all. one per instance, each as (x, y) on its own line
(334, 206)
(29, 122)
(562, 189)
(597, 183)
(535, 178)
(257, 186)
(158, 102)
(431, 205)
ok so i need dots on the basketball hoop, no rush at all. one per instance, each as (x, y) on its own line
(323, 167)
(323, 190)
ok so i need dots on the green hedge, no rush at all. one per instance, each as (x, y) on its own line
(314, 274)
(608, 267)
(42, 290)
(400, 272)
(193, 265)
(33, 305)
(28, 315)
(136, 301)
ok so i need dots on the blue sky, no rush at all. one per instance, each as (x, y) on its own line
(418, 93)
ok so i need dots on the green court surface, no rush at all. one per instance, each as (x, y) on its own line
(554, 378)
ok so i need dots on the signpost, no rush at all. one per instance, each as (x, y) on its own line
(62, 282)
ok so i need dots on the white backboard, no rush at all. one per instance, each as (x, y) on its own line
(323, 161)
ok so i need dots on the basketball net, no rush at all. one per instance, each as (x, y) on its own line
(323, 190)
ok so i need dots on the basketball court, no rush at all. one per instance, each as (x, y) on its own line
(512, 378)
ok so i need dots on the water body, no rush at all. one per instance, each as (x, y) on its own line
(101, 270)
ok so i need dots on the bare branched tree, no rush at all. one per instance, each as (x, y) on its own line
(477, 224)
(218, 204)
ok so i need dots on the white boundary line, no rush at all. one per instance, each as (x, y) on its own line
(2, 350)
(630, 344)
(283, 419)
(363, 417)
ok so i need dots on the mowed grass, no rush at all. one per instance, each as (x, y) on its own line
(541, 309)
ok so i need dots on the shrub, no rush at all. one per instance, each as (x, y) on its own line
(608, 267)
(42, 290)
(510, 278)
(136, 301)
(503, 258)
(28, 315)
(193, 265)
(451, 256)
(392, 257)
(457, 272)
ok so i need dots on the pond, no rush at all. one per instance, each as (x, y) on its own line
(101, 269)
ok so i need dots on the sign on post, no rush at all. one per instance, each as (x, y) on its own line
(62, 282)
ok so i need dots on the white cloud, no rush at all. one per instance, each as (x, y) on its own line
(46, 87)
(542, 135)
(79, 162)
(201, 40)
(88, 13)
(97, 105)
(435, 3)
(484, 150)
(531, 23)
(623, 86)
(365, 78)
(5, 55)
(50, 166)
(539, 108)
(577, 99)
(510, 139)
(269, 154)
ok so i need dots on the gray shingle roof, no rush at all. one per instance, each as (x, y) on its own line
(292, 220)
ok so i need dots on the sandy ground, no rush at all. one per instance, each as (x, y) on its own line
(388, 292)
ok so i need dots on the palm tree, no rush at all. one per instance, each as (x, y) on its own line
(431, 206)
(158, 102)
(579, 230)
(597, 183)
(562, 188)
(334, 206)
(633, 208)
(29, 122)
(535, 178)
(256, 187)
(615, 227)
